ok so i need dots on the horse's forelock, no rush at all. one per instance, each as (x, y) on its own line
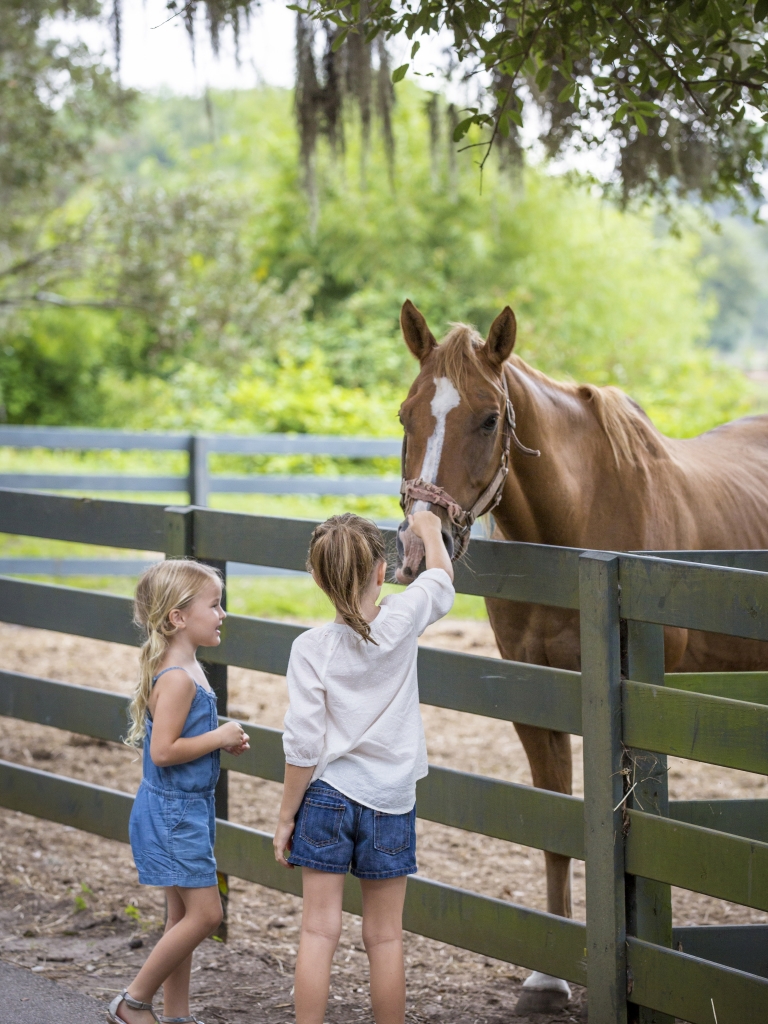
(457, 353)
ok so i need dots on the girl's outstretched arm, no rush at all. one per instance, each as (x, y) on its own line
(427, 525)
(296, 782)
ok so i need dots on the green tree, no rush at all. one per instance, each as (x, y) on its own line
(674, 92)
(54, 99)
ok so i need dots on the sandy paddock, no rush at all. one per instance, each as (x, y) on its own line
(71, 906)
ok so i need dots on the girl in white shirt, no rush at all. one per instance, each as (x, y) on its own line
(354, 749)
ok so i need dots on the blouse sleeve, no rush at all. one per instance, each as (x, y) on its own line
(305, 719)
(427, 599)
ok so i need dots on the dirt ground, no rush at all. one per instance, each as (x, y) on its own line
(71, 906)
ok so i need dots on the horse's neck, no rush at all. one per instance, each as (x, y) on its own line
(555, 499)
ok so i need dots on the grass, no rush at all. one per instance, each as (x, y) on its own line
(264, 597)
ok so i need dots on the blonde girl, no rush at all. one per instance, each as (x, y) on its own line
(354, 749)
(172, 826)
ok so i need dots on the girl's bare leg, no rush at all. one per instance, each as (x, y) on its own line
(320, 931)
(383, 940)
(202, 915)
(176, 985)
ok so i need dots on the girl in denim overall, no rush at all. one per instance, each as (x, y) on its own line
(172, 825)
(354, 749)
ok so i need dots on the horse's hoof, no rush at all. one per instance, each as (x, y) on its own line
(540, 1002)
(543, 994)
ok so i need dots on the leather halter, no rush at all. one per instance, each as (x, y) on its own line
(462, 519)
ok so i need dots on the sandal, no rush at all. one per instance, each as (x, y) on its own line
(180, 1020)
(134, 1004)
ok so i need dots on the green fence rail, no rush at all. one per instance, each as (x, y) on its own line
(628, 954)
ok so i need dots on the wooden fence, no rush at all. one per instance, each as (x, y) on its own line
(198, 481)
(636, 966)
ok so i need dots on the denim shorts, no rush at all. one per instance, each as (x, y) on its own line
(172, 834)
(333, 833)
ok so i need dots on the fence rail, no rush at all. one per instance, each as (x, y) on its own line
(626, 952)
(198, 482)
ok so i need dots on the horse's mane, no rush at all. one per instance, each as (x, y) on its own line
(630, 433)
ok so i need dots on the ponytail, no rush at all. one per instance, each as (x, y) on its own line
(343, 554)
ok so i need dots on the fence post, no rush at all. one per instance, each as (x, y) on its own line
(180, 541)
(198, 481)
(603, 787)
(217, 677)
(649, 903)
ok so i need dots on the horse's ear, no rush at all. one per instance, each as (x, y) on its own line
(418, 336)
(501, 337)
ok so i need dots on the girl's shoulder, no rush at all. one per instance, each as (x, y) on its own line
(176, 677)
(317, 637)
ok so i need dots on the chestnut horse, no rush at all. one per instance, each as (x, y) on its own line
(589, 470)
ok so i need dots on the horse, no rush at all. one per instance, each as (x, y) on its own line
(587, 470)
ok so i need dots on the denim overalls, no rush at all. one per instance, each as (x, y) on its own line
(173, 821)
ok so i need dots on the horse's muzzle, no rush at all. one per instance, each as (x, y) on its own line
(410, 552)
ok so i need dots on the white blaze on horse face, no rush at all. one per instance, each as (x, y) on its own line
(446, 397)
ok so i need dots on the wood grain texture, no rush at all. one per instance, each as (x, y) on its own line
(603, 787)
(717, 730)
(685, 987)
(701, 859)
(118, 524)
(733, 601)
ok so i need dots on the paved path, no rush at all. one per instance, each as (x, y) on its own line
(27, 998)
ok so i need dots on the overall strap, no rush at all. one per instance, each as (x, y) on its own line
(174, 668)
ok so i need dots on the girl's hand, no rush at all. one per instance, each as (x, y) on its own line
(282, 841)
(240, 749)
(425, 524)
(232, 736)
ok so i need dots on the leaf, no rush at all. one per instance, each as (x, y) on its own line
(640, 122)
(399, 73)
(761, 10)
(544, 77)
(415, 49)
(463, 127)
(567, 92)
(340, 39)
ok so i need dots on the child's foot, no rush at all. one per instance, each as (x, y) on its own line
(121, 1013)
(124, 1012)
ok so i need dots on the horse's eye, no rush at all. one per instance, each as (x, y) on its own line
(490, 423)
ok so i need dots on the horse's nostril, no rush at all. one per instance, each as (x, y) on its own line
(407, 571)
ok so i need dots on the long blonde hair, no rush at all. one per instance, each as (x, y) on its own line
(161, 588)
(343, 553)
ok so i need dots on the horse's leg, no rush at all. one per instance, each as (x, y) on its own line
(549, 755)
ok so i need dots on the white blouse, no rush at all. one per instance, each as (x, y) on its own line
(354, 706)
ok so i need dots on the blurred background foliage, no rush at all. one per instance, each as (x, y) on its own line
(178, 281)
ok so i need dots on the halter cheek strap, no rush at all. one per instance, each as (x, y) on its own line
(462, 519)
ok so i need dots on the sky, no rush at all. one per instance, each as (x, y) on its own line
(156, 52)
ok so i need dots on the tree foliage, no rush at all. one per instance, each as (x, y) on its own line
(230, 314)
(673, 92)
(54, 99)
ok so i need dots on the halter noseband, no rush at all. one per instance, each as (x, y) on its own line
(462, 519)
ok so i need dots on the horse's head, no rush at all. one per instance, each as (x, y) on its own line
(458, 426)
